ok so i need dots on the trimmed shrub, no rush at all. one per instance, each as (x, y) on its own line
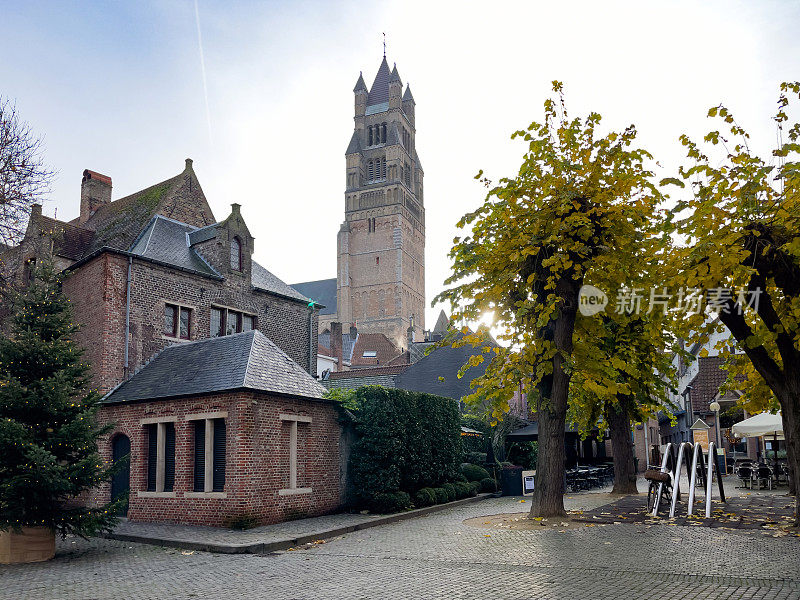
(488, 485)
(389, 502)
(450, 490)
(474, 472)
(463, 489)
(474, 487)
(441, 495)
(406, 441)
(460, 477)
(424, 497)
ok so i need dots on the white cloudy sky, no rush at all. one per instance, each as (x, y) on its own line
(117, 88)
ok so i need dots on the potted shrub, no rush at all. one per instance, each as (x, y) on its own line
(48, 430)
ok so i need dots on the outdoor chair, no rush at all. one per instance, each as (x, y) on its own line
(745, 474)
(764, 476)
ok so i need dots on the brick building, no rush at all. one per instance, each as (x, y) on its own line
(224, 429)
(380, 283)
(192, 341)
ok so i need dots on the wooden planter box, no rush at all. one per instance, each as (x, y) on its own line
(34, 544)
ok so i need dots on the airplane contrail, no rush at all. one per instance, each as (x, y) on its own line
(203, 68)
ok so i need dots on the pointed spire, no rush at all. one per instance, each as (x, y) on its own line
(395, 75)
(407, 95)
(379, 92)
(360, 85)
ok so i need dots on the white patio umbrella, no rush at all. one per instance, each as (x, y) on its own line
(763, 424)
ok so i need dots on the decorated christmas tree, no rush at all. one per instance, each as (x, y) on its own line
(48, 426)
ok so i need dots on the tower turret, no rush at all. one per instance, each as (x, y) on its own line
(408, 105)
(360, 92)
(395, 89)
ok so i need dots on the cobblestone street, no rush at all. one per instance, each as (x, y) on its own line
(436, 556)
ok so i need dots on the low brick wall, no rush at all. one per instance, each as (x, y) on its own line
(257, 459)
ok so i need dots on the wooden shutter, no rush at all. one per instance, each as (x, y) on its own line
(219, 455)
(152, 456)
(169, 456)
(199, 456)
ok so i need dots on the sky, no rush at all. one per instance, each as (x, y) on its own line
(264, 104)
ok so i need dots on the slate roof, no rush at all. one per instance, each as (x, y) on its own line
(379, 92)
(445, 362)
(166, 241)
(360, 85)
(322, 291)
(247, 360)
(395, 75)
(407, 94)
(265, 281)
(355, 144)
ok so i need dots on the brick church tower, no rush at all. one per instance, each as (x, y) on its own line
(380, 286)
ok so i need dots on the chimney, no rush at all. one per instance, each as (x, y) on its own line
(353, 331)
(95, 192)
(336, 345)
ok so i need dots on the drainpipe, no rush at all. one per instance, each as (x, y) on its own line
(311, 338)
(127, 317)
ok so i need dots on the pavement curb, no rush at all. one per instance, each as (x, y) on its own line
(283, 544)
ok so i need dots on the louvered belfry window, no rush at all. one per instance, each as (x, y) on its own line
(209, 455)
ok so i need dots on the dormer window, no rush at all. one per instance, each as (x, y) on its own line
(236, 254)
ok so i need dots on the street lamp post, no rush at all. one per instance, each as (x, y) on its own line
(715, 407)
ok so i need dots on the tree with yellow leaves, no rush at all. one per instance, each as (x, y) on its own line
(741, 224)
(579, 211)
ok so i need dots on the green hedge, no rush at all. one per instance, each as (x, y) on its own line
(406, 441)
(389, 502)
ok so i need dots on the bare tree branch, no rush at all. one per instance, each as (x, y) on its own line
(24, 176)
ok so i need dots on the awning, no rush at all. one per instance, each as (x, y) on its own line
(468, 431)
(764, 424)
(531, 432)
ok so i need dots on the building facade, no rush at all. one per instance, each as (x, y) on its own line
(156, 268)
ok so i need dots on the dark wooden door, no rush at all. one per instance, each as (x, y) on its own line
(121, 481)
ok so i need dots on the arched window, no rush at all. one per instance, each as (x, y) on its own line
(236, 254)
(383, 168)
(383, 133)
(369, 171)
(369, 136)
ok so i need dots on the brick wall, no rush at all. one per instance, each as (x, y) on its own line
(257, 459)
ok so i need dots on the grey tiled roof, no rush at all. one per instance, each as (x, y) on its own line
(265, 281)
(322, 291)
(423, 375)
(245, 360)
(166, 241)
(379, 92)
(360, 85)
(407, 95)
(203, 234)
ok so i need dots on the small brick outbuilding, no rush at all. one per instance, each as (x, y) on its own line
(220, 430)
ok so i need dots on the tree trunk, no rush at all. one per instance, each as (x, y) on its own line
(619, 424)
(790, 412)
(789, 462)
(548, 494)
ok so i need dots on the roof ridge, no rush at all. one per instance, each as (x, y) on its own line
(249, 357)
